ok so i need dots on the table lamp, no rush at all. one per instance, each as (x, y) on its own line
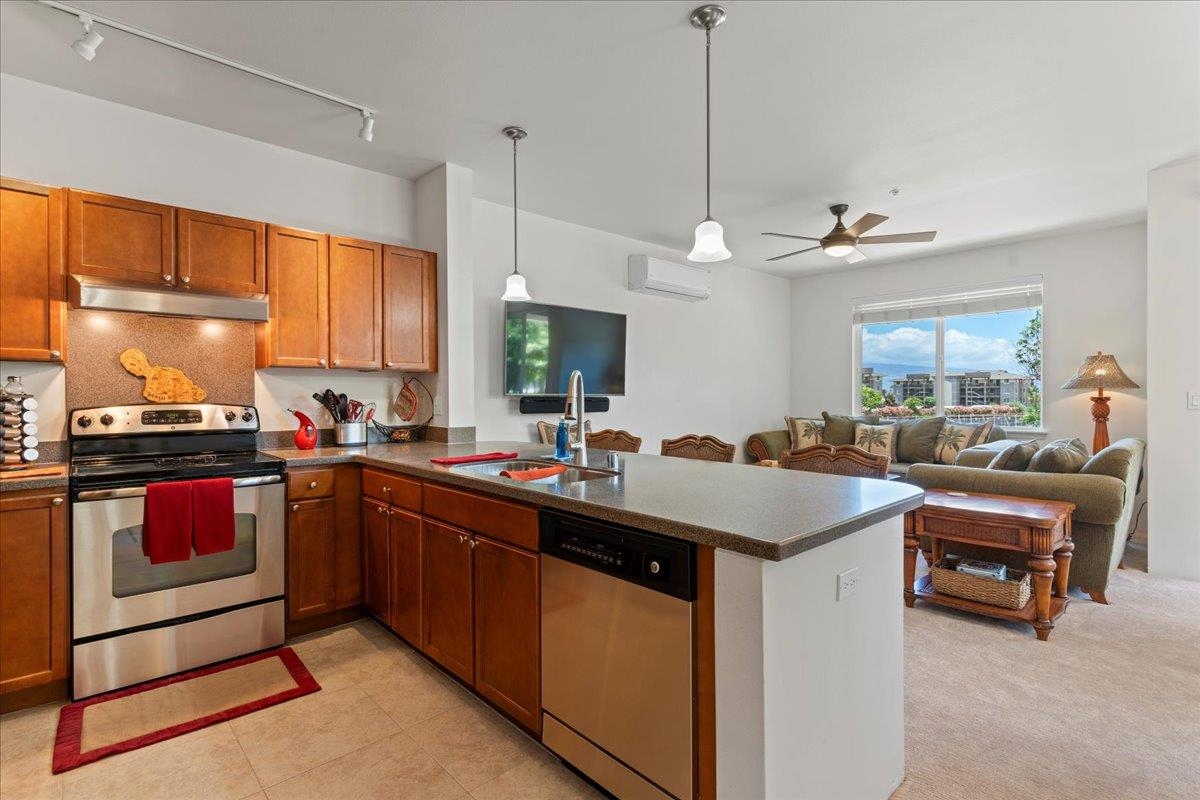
(1097, 372)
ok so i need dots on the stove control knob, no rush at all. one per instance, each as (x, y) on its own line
(230, 416)
(247, 416)
(84, 421)
(655, 568)
(106, 419)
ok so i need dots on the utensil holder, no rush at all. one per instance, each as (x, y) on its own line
(350, 434)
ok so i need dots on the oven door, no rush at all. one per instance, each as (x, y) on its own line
(115, 587)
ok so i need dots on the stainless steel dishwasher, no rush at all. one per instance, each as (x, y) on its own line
(618, 686)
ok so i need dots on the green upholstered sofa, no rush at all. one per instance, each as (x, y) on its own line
(769, 445)
(1103, 492)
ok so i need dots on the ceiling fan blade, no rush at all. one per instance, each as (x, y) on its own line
(893, 238)
(793, 236)
(865, 224)
(855, 257)
(796, 253)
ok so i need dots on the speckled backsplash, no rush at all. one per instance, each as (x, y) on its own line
(217, 355)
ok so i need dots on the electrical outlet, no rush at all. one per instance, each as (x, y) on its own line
(847, 583)
(1193, 401)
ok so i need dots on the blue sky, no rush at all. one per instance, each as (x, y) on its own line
(979, 341)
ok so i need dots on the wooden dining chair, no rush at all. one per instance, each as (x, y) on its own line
(702, 448)
(843, 459)
(609, 439)
(547, 431)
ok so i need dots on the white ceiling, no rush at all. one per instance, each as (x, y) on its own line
(996, 120)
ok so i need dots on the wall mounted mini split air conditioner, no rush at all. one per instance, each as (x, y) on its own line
(663, 278)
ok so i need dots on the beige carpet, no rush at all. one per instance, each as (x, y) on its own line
(1109, 707)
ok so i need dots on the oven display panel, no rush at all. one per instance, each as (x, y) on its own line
(176, 416)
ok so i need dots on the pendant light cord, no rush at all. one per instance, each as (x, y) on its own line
(514, 206)
(707, 125)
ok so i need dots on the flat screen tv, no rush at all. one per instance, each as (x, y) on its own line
(544, 343)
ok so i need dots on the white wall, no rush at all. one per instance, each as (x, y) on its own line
(1094, 299)
(717, 367)
(53, 136)
(1173, 310)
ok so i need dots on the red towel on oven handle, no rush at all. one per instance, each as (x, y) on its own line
(167, 522)
(213, 529)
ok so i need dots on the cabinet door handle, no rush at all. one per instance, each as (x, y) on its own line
(472, 544)
(58, 501)
(337, 362)
(387, 489)
(312, 485)
(382, 510)
(167, 278)
(461, 538)
(321, 361)
(56, 354)
(388, 364)
(295, 507)
(185, 279)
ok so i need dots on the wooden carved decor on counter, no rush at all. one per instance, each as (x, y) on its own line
(163, 384)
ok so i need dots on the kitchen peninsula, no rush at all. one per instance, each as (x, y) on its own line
(798, 693)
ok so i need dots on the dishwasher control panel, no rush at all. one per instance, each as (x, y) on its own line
(657, 562)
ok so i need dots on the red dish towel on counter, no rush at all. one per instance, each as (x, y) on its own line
(533, 474)
(452, 460)
(167, 522)
(212, 515)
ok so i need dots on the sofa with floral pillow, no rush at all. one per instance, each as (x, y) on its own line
(922, 440)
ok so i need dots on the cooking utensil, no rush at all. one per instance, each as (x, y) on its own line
(355, 410)
(331, 402)
(370, 411)
(344, 407)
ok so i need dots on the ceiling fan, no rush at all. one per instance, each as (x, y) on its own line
(844, 241)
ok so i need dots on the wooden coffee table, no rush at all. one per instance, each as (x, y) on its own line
(1040, 528)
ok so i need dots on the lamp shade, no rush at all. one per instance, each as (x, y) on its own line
(710, 243)
(1100, 371)
(514, 288)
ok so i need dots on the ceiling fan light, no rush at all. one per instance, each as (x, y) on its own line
(839, 250)
(710, 243)
(514, 288)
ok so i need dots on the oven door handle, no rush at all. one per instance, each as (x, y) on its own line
(140, 491)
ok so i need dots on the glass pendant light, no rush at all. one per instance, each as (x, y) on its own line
(514, 287)
(710, 236)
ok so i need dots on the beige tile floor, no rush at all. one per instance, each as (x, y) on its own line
(386, 724)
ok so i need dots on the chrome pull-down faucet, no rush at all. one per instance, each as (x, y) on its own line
(574, 410)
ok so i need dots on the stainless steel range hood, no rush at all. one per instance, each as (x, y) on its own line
(89, 292)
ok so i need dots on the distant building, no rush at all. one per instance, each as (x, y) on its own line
(914, 384)
(987, 388)
(872, 378)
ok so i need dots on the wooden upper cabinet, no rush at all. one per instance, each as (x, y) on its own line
(508, 630)
(355, 303)
(446, 599)
(297, 331)
(221, 255)
(32, 278)
(33, 590)
(122, 239)
(409, 309)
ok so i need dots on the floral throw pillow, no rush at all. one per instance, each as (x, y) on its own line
(878, 440)
(955, 438)
(805, 432)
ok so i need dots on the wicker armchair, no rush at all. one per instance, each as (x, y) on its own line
(702, 448)
(609, 439)
(843, 459)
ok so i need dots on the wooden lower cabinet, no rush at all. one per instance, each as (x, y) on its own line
(404, 541)
(507, 629)
(34, 590)
(311, 559)
(447, 608)
(376, 560)
(347, 507)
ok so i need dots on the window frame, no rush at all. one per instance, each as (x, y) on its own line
(939, 360)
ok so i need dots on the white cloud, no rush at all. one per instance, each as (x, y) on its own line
(915, 346)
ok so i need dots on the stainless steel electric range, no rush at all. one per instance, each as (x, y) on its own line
(132, 620)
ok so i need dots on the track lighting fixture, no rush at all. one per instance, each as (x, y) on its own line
(91, 39)
(367, 131)
(86, 46)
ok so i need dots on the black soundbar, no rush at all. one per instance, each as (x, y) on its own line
(553, 404)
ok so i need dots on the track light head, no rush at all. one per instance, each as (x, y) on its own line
(86, 46)
(367, 131)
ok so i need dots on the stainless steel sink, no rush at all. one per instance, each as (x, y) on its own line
(572, 475)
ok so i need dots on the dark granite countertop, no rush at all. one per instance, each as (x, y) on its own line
(21, 483)
(767, 513)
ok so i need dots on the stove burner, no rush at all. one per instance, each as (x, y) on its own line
(175, 461)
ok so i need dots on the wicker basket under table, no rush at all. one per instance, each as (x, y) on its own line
(1010, 593)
